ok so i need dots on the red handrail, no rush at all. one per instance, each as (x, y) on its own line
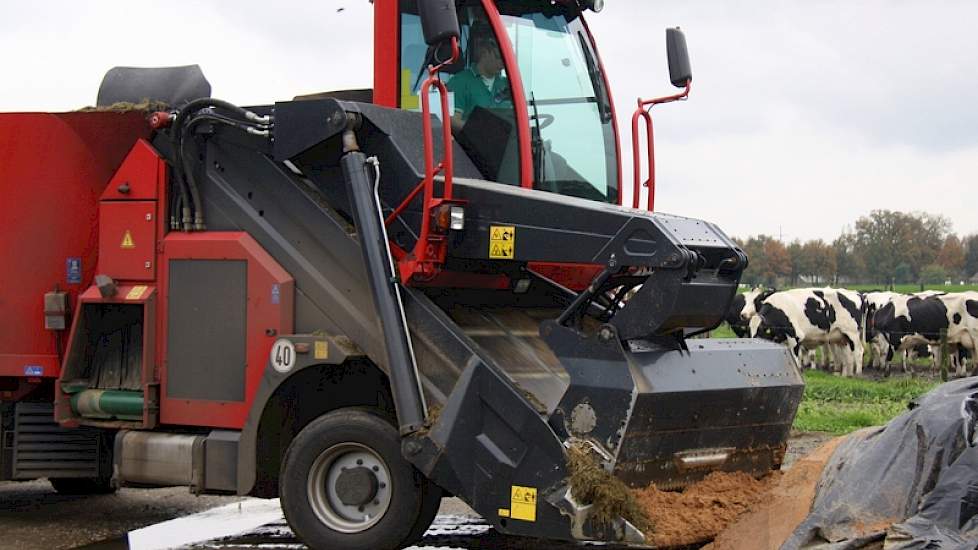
(644, 111)
(425, 251)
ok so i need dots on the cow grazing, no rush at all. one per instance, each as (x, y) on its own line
(744, 307)
(804, 319)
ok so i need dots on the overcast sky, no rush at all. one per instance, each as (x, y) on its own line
(803, 115)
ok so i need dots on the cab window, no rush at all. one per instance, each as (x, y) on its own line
(480, 98)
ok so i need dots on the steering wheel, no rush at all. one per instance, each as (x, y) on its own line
(543, 120)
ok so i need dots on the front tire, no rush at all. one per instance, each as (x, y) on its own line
(345, 485)
(82, 485)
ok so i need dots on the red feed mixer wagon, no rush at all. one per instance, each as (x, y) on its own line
(359, 305)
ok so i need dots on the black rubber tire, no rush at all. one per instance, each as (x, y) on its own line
(82, 485)
(409, 487)
(431, 501)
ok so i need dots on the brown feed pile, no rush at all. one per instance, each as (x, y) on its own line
(785, 505)
(703, 509)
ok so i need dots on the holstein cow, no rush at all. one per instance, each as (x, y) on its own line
(806, 318)
(962, 332)
(878, 346)
(744, 307)
(909, 321)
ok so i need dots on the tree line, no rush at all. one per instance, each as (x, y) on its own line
(881, 248)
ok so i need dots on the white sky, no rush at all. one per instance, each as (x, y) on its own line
(803, 115)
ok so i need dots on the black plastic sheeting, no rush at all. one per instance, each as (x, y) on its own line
(912, 484)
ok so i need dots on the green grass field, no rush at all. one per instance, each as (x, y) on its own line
(842, 405)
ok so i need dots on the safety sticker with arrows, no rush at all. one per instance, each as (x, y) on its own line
(523, 503)
(502, 242)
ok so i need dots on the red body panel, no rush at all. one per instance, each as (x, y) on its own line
(139, 176)
(127, 240)
(53, 168)
(573, 276)
(265, 321)
(387, 54)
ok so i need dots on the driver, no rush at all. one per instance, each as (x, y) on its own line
(482, 83)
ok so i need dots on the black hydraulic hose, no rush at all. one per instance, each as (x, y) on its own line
(184, 175)
(188, 172)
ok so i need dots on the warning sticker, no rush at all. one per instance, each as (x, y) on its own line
(523, 503)
(136, 292)
(321, 350)
(127, 240)
(502, 242)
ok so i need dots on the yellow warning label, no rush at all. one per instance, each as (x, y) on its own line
(321, 350)
(502, 242)
(523, 503)
(136, 292)
(127, 240)
(503, 512)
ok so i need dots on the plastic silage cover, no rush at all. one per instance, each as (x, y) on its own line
(912, 484)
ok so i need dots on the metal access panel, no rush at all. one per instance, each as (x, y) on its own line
(207, 322)
(127, 240)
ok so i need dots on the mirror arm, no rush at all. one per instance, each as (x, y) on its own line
(643, 103)
(644, 112)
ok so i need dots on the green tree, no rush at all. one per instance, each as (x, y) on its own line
(768, 260)
(849, 266)
(889, 240)
(951, 257)
(933, 274)
(971, 255)
(797, 261)
(820, 261)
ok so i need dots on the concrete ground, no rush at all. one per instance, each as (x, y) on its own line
(33, 516)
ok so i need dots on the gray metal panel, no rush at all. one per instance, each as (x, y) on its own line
(221, 460)
(207, 321)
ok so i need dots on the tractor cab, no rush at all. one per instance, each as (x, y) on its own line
(528, 99)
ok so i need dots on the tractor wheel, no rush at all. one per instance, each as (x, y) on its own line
(345, 485)
(82, 485)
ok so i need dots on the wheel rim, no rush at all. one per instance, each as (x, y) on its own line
(325, 498)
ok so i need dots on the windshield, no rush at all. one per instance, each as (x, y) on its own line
(573, 140)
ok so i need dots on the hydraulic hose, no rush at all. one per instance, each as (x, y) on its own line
(192, 205)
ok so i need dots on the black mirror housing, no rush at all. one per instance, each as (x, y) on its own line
(439, 21)
(679, 71)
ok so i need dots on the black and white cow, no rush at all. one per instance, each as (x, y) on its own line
(744, 307)
(806, 318)
(910, 321)
(962, 312)
(878, 346)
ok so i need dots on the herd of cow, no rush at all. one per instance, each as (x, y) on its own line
(844, 321)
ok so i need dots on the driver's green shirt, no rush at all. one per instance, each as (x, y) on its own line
(471, 91)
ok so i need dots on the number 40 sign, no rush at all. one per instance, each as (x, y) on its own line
(283, 355)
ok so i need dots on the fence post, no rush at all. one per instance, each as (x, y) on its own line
(945, 356)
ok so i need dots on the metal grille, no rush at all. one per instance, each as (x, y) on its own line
(42, 448)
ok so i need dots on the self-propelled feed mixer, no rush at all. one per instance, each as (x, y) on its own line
(363, 300)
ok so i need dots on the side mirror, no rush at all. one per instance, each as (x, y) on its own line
(439, 21)
(679, 71)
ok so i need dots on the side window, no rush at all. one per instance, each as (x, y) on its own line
(479, 96)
